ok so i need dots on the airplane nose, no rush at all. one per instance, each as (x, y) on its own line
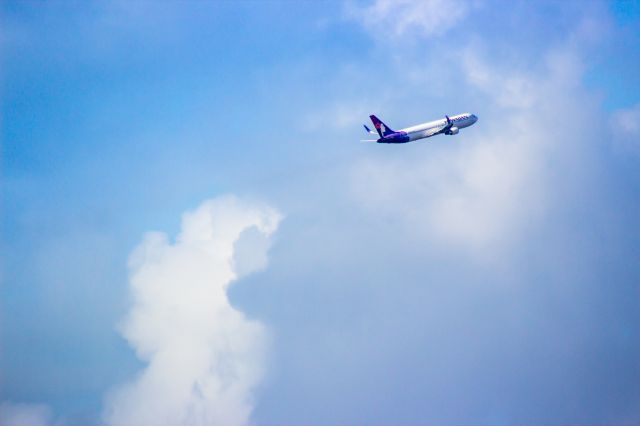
(475, 117)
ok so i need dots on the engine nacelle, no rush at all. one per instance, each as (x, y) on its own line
(453, 131)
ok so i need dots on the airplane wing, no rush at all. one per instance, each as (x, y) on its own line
(440, 129)
(368, 140)
(436, 130)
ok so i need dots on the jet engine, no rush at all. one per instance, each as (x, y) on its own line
(452, 131)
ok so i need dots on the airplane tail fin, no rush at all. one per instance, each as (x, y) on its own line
(383, 129)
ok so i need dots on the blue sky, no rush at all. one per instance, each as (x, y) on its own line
(486, 278)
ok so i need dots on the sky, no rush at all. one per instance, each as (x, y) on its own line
(192, 233)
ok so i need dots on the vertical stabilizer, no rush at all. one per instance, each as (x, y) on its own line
(383, 129)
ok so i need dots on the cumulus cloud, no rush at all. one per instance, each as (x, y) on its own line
(14, 414)
(203, 355)
(396, 18)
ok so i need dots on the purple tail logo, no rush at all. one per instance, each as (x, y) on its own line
(383, 129)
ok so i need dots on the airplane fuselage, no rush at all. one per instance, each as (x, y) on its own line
(421, 131)
(448, 126)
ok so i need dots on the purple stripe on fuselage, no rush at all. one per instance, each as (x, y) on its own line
(397, 137)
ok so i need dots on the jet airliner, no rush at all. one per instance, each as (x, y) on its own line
(447, 125)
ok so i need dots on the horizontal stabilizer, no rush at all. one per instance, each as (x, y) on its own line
(369, 130)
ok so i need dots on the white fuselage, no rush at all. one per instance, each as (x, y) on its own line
(425, 130)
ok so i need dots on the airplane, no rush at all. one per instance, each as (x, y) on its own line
(447, 125)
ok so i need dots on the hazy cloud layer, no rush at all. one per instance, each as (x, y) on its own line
(498, 180)
(204, 356)
(471, 279)
(625, 125)
(12, 414)
(398, 18)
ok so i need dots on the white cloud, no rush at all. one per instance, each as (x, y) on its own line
(471, 198)
(13, 414)
(508, 88)
(204, 356)
(500, 175)
(397, 18)
(628, 120)
(625, 125)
